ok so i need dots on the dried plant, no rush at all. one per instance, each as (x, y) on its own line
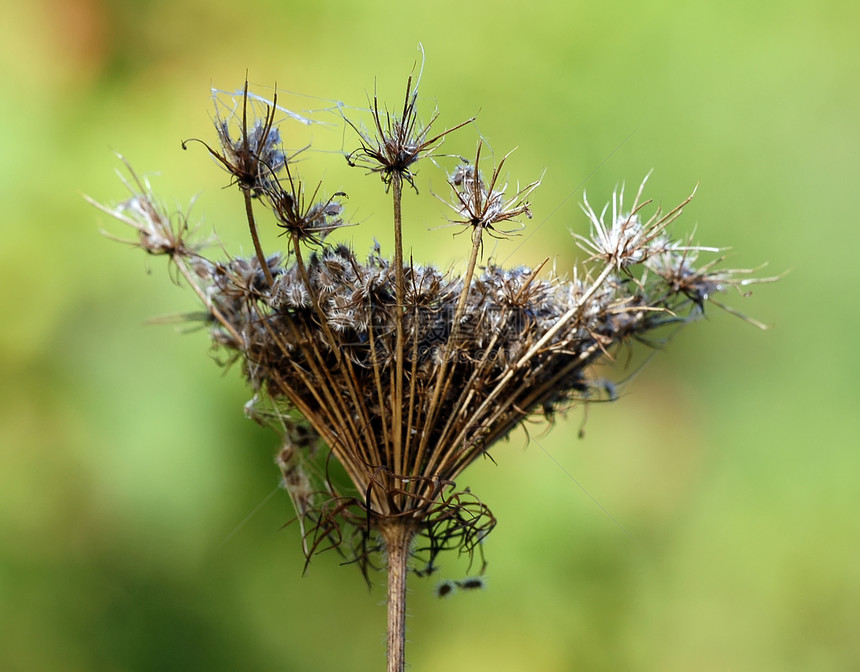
(401, 375)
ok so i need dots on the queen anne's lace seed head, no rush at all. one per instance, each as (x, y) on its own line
(409, 374)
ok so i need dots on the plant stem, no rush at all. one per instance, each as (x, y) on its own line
(441, 380)
(252, 225)
(399, 293)
(398, 536)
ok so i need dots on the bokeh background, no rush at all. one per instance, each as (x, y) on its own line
(730, 463)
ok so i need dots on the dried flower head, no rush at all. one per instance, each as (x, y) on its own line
(302, 220)
(158, 231)
(627, 240)
(482, 205)
(402, 374)
(253, 156)
(397, 141)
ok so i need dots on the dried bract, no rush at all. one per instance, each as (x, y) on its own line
(482, 205)
(253, 156)
(307, 222)
(627, 239)
(397, 141)
(158, 231)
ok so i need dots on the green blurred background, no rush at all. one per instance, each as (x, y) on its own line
(125, 458)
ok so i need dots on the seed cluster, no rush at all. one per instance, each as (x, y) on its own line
(409, 373)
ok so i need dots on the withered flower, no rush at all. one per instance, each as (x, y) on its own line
(397, 141)
(403, 374)
(303, 221)
(253, 156)
(252, 159)
(483, 205)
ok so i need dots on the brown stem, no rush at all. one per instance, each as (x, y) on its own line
(441, 380)
(399, 294)
(182, 264)
(398, 536)
(252, 224)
